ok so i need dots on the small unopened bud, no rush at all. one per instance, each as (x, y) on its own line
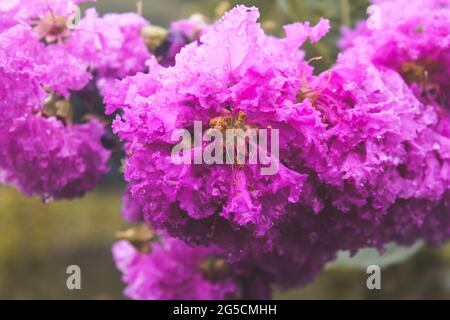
(63, 109)
(221, 8)
(199, 18)
(140, 237)
(269, 25)
(108, 141)
(55, 106)
(215, 268)
(154, 36)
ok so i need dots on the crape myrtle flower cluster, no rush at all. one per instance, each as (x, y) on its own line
(412, 46)
(364, 146)
(211, 82)
(147, 260)
(47, 57)
(413, 39)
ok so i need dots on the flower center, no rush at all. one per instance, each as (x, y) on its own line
(215, 268)
(416, 71)
(53, 28)
(232, 122)
(236, 135)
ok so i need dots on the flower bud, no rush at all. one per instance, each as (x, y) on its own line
(154, 36)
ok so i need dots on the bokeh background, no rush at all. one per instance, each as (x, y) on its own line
(38, 241)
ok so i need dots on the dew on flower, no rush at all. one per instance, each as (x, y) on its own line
(360, 152)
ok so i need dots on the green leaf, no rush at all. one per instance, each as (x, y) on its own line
(394, 254)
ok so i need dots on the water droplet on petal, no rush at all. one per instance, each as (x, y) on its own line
(436, 146)
(47, 199)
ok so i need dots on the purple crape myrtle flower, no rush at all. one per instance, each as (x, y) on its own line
(410, 47)
(387, 167)
(109, 47)
(153, 40)
(37, 13)
(296, 257)
(104, 48)
(131, 209)
(61, 56)
(201, 213)
(375, 125)
(60, 70)
(124, 42)
(386, 176)
(166, 44)
(412, 38)
(181, 32)
(40, 155)
(20, 90)
(234, 77)
(368, 163)
(164, 268)
(47, 56)
(170, 269)
(42, 151)
(117, 48)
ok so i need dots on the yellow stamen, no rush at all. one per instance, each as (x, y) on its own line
(215, 268)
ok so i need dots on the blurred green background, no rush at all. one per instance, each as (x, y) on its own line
(39, 241)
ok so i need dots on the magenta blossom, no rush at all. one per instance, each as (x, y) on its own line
(414, 40)
(173, 270)
(236, 75)
(43, 157)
